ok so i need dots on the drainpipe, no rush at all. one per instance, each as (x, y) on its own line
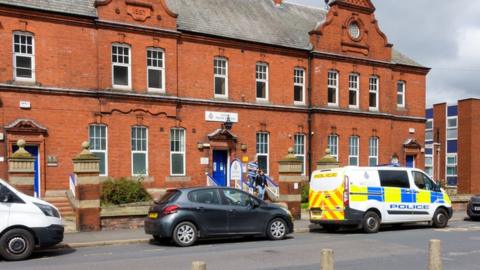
(309, 121)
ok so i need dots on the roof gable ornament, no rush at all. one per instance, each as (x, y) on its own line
(363, 5)
(25, 126)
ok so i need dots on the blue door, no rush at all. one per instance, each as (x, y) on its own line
(33, 150)
(220, 164)
(410, 162)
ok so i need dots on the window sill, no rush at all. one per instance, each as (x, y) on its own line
(262, 101)
(178, 178)
(373, 109)
(223, 98)
(156, 91)
(333, 105)
(121, 88)
(298, 103)
(356, 108)
(25, 82)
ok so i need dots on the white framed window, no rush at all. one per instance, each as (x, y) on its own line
(262, 81)
(299, 86)
(354, 89)
(220, 74)
(299, 147)
(401, 94)
(373, 146)
(333, 88)
(451, 165)
(429, 130)
(262, 151)
(373, 93)
(452, 128)
(354, 151)
(121, 67)
(139, 150)
(98, 138)
(23, 57)
(429, 163)
(333, 145)
(177, 152)
(156, 70)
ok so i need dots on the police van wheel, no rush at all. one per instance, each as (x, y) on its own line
(371, 222)
(440, 219)
(16, 244)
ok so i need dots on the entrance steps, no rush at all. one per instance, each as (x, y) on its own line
(66, 210)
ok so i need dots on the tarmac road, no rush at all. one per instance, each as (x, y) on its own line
(393, 248)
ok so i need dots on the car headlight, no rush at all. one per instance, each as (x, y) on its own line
(48, 210)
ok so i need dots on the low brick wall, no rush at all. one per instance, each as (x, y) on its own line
(460, 201)
(129, 216)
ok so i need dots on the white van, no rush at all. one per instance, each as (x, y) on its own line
(370, 196)
(26, 222)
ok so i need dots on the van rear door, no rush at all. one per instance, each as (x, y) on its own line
(326, 195)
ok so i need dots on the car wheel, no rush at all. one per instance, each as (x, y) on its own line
(185, 234)
(16, 244)
(371, 222)
(440, 219)
(331, 228)
(277, 229)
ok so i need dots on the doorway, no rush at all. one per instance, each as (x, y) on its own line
(35, 152)
(220, 167)
(410, 161)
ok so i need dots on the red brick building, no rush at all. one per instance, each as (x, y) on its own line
(149, 84)
(451, 151)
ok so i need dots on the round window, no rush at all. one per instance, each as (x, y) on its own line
(354, 30)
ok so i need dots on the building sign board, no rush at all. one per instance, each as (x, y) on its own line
(220, 116)
(236, 170)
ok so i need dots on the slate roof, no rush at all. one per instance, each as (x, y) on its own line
(259, 21)
(75, 7)
(251, 20)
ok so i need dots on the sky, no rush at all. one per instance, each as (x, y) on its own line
(441, 34)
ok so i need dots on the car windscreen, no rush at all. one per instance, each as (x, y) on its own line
(169, 196)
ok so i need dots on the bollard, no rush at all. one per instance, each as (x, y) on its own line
(327, 262)
(199, 265)
(435, 255)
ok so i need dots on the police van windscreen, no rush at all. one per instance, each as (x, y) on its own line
(326, 180)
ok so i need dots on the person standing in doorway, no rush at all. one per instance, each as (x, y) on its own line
(261, 184)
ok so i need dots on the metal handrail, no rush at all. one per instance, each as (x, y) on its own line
(211, 181)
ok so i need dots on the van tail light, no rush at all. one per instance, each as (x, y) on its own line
(170, 210)
(346, 192)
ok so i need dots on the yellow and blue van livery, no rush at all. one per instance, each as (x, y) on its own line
(371, 196)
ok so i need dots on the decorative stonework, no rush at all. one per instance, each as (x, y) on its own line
(86, 161)
(327, 162)
(290, 164)
(139, 11)
(21, 161)
(24, 125)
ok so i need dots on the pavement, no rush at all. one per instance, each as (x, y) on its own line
(136, 236)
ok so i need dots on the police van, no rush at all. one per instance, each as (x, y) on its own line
(371, 196)
(26, 222)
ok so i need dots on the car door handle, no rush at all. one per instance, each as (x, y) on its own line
(200, 208)
(233, 211)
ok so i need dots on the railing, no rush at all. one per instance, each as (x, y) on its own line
(211, 181)
(272, 189)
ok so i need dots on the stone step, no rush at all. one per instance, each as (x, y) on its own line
(70, 225)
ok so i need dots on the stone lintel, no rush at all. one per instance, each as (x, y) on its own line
(89, 204)
(290, 167)
(88, 180)
(26, 165)
(290, 198)
(291, 178)
(21, 180)
(86, 166)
